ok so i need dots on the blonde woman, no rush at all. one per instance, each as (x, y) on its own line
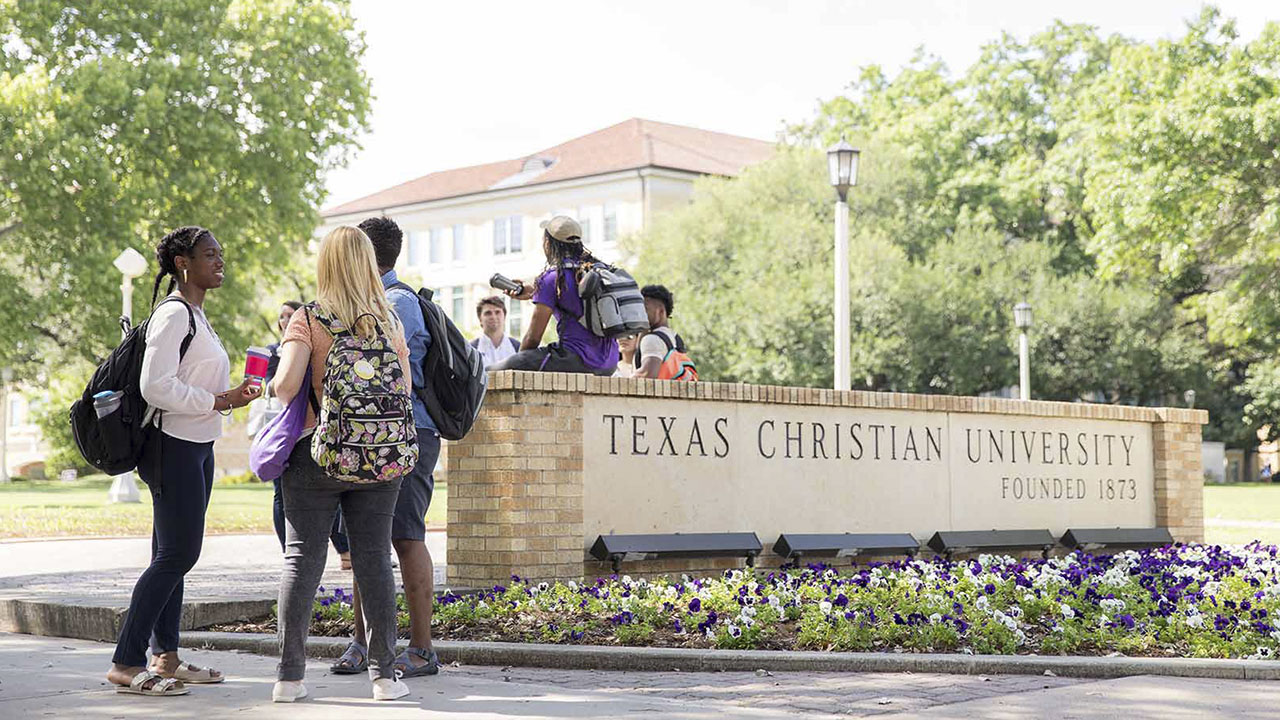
(349, 292)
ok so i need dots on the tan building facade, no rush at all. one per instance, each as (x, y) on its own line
(462, 226)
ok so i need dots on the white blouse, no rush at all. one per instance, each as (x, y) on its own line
(184, 391)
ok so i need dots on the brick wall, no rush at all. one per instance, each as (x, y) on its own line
(516, 481)
(515, 489)
(1179, 479)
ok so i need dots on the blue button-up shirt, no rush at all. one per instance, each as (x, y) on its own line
(407, 309)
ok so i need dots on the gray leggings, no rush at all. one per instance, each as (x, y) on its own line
(311, 499)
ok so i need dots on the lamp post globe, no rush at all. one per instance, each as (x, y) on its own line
(130, 263)
(1022, 315)
(842, 167)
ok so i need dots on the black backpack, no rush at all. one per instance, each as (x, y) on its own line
(453, 372)
(114, 444)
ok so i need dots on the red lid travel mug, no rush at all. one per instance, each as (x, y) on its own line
(256, 360)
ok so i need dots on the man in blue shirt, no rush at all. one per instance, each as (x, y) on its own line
(408, 524)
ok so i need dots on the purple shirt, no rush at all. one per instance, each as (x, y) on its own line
(596, 352)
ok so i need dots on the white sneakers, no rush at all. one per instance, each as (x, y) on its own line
(288, 691)
(388, 689)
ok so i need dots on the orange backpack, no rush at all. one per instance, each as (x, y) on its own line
(676, 364)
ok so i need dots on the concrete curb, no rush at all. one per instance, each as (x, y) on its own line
(85, 619)
(102, 622)
(595, 657)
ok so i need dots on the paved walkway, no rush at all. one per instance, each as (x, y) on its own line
(101, 572)
(51, 677)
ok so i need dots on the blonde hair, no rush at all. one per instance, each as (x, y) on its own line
(348, 285)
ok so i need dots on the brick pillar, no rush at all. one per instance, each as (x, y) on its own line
(515, 486)
(1179, 475)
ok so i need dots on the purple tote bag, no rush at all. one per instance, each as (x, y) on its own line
(269, 454)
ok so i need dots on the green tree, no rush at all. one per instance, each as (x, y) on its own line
(750, 262)
(122, 120)
(1182, 185)
(997, 140)
(1151, 165)
(751, 325)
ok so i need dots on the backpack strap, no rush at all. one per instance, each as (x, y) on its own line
(311, 389)
(400, 285)
(191, 324)
(158, 415)
(331, 324)
(421, 296)
(635, 359)
(325, 321)
(577, 274)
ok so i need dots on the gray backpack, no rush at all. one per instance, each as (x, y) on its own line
(612, 305)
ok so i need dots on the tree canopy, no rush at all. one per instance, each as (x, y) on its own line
(1127, 190)
(120, 121)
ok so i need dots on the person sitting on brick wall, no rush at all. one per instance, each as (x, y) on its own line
(555, 294)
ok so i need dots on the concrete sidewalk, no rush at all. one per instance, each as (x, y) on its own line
(45, 677)
(76, 588)
(79, 555)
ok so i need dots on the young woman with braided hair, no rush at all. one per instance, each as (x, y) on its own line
(186, 392)
(555, 294)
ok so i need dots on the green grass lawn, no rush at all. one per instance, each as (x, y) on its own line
(52, 508)
(1252, 509)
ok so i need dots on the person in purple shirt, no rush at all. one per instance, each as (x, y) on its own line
(555, 294)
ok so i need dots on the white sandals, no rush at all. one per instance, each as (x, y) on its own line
(192, 675)
(159, 686)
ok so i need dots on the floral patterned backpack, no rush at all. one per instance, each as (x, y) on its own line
(365, 432)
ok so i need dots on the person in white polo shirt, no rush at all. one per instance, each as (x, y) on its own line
(494, 344)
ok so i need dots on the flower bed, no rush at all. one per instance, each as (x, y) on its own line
(1184, 600)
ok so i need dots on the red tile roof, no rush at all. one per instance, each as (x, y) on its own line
(632, 144)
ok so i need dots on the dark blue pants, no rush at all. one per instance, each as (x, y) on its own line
(186, 474)
(336, 535)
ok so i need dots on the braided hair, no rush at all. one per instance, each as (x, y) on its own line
(563, 255)
(179, 242)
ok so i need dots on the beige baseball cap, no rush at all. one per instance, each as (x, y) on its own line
(563, 228)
